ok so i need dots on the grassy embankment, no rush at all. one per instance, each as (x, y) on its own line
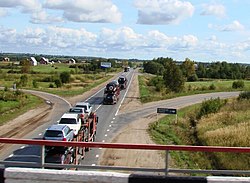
(230, 126)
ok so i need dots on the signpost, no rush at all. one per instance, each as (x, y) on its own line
(167, 111)
(105, 64)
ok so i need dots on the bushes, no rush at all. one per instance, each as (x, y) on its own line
(238, 84)
(244, 95)
(210, 106)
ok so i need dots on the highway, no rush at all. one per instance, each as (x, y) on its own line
(110, 121)
(106, 126)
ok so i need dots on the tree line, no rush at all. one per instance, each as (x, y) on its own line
(174, 74)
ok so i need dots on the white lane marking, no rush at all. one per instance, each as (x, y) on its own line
(98, 107)
(94, 94)
(11, 155)
(108, 130)
(106, 135)
(93, 165)
(40, 134)
(103, 141)
(114, 118)
(22, 147)
(112, 121)
(124, 94)
(110, 125)
(100, 147)
(97, 156)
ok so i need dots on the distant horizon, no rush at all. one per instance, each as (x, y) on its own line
(72, 56)
(207, 30)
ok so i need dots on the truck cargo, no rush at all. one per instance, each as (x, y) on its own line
(73, 155)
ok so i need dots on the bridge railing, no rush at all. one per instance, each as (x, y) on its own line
(166, 148)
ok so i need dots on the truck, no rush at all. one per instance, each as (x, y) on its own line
(111, 93)
(126, 69)
(73, 155)
(122, 80)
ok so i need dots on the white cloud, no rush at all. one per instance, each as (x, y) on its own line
(217, 10)
(3, 12)
(86, 11)
(41, 17)
(27, 6)
(163, 11)
(234, 26)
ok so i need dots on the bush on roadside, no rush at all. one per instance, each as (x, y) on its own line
(211, 106)
(238, 84)
(244, 95)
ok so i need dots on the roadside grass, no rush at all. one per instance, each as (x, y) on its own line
(229, 127)
(11, 109)
(149, 93)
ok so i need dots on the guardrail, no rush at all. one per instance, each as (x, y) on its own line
(165, 148)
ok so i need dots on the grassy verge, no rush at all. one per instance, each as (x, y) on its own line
(229, 127)
(11, 109)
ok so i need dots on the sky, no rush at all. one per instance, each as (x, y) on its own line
(201, 30)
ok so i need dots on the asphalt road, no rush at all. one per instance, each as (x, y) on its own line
(106, 114)
(109, 122)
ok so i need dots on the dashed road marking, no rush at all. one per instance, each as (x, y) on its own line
(22, 147)
(97, 156)
(112, 122)
(113, 118)
(100, 147)
(108, 130)
(110, 125)
(106, 135)
(11, 155)
(40, 134)
(93, 165)
(103, 141)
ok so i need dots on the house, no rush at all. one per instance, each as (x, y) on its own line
(71, 61)
(6, 59)
(45, 61)
(33, 61)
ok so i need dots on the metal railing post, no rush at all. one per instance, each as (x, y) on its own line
(166, 165)
(42, 155)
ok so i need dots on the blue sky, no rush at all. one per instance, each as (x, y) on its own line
(207, 30)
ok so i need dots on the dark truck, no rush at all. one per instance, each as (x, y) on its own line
(111, 93)
(122, 80)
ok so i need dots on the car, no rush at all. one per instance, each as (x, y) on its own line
(59, 132)
(110, 98)
(112, 87)
(59, 156)
(80, 111)
(87, 107)
(72, 120)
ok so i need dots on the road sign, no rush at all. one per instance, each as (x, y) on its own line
(167, 110)
(105, 64)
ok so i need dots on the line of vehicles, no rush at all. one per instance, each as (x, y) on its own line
(79, 124)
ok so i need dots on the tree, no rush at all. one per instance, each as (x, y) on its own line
(65, 77)
(23, 80)
(58, 83)
(153, 67)
(188, 68)
(26, 66)
(173, 77)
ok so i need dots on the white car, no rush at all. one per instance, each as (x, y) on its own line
(72, 120)
(87, 107)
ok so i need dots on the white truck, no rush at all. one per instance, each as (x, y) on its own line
(87, 107)
(72, 120)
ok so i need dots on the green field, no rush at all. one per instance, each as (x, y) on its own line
(149, 93)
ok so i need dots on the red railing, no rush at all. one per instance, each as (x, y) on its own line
(166, 148)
